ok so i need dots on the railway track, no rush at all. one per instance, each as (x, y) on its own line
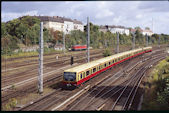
(31, 89)
(47, 105)
(92, 101)
(53, 78)
(15, 78)
(28, 63)
(31, 106)
(129, 92)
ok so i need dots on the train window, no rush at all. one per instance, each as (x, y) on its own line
(109, 63)
(94, 70)
(69, 76)
(81, 76)
(87, 73)
(99, 68)
(105, 65)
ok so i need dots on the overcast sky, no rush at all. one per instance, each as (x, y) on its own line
(125, 13)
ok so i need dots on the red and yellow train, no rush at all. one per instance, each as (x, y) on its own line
(79, 74)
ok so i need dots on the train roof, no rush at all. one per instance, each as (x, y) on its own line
(99, 61)
(147, 47)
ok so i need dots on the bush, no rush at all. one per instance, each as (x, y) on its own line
(158, 99)
(107, 52)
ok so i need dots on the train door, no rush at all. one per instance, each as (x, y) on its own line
(84, 75)
(91, 72)
(79, 76)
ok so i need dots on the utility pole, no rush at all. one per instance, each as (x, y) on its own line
(63, 42)
(88, 40)
(40, 85)
(152, 24)
(117, 49)
(133, 47)
(146, 40)
(159, 41)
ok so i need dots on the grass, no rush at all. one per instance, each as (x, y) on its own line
(12, 103)
(32, 53)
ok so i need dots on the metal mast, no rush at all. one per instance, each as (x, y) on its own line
(88, 40)
(152, 25)
(63, 42)
(117, 49)
(133, 47)
(146, 40)
(40, 77)
(159, 41)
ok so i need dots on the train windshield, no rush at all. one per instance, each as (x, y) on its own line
(69, 76)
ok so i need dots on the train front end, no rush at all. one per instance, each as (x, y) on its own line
(69, 79)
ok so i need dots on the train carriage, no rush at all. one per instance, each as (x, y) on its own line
(79, 74)
(79, 47)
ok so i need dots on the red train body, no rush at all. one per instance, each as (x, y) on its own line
(79, 47)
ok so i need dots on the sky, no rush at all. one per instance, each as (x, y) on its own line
(152, 14)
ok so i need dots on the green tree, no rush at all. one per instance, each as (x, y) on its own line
(137, 28)
(147, 28)
(3, 29)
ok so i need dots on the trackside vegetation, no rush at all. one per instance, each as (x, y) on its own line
(156, 95)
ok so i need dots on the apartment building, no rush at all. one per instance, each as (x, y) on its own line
(144, 32)
(61, 23)
(115, 29)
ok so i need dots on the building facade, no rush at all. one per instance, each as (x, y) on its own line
(144, 32)
(103, 29)
(147, 32)
(61, 23)
(115, 29)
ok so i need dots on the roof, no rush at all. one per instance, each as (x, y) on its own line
(147, 48)
(77, 22)
(113, 26)
(102, 27)
(147, 30)
(99, 61)
(48, 18)
(57, 19)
